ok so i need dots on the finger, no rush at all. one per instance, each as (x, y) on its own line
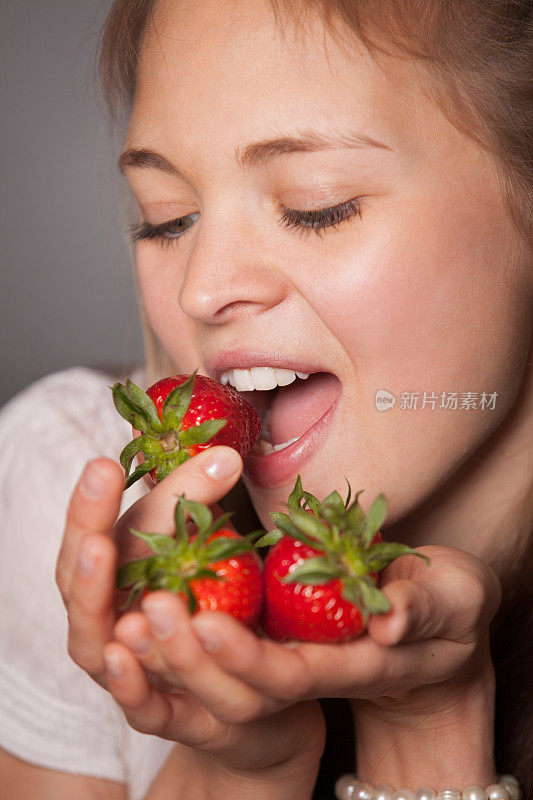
(205, 478)
(179, 717)
(91, 613)
(454, 598)
(271, 668)
(291, 672)
(133, 630)
(228, 699)
(93, 508)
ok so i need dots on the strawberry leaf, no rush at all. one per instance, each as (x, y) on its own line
(272, 537)
(355, 517)
(123, 404)
(313, 571)
(171, 583)
(311, 501)
(220, 549)
(202, 433)
(193, 603)
(285, 524)
(334, 502)
(161, 544)
(310, 525)
(163, 469)
(374, 519)
(348, 496)
(296, 496)
(253, 536)
(144, 406)
(351, 593)
(133, 572)
(179, 518)
(221, 521)
(169, 463)
(208, 573)
(138, 587)
(200, 515)
(177, 403)
(130, 451)
(375, 602)
(141, 470)
(380, 555)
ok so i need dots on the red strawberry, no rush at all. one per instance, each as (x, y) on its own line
(180, 416)
(215, 569)
(320, 576)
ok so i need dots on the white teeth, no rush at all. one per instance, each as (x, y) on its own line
(286, 444)
(260, 378)
(285, 376)
(264, 447)
(243, 380)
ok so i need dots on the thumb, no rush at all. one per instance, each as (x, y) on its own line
(454, 598)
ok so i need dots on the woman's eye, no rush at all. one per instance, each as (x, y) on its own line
(319, 219)
(166, 232)
(316, 220)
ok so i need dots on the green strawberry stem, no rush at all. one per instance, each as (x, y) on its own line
(343, 534)
(177, 560)
(163, 443)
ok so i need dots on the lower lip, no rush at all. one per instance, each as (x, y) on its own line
(281, 466)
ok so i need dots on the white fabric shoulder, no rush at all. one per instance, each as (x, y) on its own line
(51, 713)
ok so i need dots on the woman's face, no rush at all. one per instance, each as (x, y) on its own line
(424, 290)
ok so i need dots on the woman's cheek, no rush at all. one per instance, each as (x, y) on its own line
(159, 286)
(418, 315)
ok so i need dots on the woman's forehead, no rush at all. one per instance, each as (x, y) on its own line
(216, 66)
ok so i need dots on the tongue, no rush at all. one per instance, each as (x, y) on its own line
(296, 408)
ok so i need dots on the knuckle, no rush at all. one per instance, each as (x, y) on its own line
(177, 661)
(84, 658)
(140, 723)
(296, 684)
(240, 713)
(293, 688)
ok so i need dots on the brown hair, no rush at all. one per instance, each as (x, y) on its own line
(477, 56)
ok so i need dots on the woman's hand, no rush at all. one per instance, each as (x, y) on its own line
(425, 664)
(215, 714)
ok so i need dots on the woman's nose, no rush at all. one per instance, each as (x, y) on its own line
(229, 277)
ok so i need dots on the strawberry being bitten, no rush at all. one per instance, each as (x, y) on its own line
(180, 416)
(321, 573)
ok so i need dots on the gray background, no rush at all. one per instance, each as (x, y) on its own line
(66, 289)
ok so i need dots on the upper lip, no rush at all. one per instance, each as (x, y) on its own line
(218, 363)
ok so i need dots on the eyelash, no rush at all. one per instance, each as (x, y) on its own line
(317, 220)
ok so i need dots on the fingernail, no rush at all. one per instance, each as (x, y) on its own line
(85, 562)
(207, 636)
(161, 623)
(93, 483)
(223, 464)
(113, 665)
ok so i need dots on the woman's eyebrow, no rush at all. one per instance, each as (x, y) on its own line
(257, 153)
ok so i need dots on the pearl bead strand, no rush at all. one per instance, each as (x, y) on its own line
(348, 787)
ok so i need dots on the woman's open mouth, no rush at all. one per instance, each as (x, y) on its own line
(295, 416)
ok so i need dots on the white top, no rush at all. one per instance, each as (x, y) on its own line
(51, 713)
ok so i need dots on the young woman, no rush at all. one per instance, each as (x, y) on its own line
(341, 189)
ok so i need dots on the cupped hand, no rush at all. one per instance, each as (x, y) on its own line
(95, 542)
(188, 711)
(435, 635)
